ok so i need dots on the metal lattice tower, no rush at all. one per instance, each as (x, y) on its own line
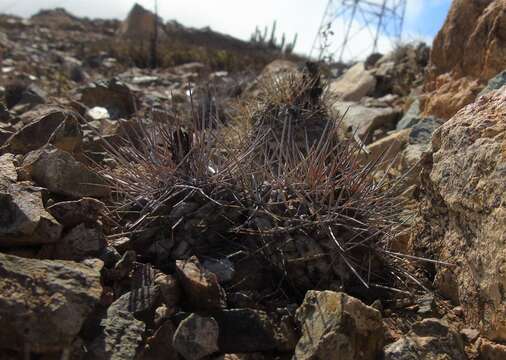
(370, 19)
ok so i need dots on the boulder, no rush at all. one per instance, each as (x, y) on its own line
(463, 215)
(40, 130)
(60, 173)
(338, 326)
(23, 219)
(196, 337)
(356, 83)
(81, 242)
(112, 95)
(429, 339)
(410, 117)
(200, 285)
(43, 303)
(364, 120)
(159, 345)
(8, 173)
(469, 50)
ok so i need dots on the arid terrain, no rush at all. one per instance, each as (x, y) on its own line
(175, 193)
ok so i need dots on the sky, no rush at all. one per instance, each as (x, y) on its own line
(240, 17)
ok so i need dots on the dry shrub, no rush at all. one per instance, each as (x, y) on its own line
(291, 190)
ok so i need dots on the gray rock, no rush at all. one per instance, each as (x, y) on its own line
(23, 219)
(430, 339)
(338, 326)
(196, 337)
(495, 83)
(60, 173)
(411, 117)
(8, 173)
(73, 213)
(223, 268)
(81, 242)
(44, 303)
(365, 120)
(121, 335)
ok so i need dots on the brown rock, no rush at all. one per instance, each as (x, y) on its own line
(338, 326)
(23, 219)
(8, 173)
(468, 51)
(43, 303)
(464, 217)
(491, 351)
(159, 346)
(199, 285)
(38, 132)
(73, 213)
(81, 242)
(60, 173)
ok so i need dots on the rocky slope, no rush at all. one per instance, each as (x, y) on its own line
(132, 228)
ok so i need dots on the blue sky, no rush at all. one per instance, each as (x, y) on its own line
(239, 17)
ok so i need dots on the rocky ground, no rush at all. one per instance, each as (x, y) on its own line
(234, 202)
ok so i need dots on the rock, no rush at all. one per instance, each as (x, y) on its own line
(196, 337)
(472, 40)
(98, 113)
(495, 83)
(365, 120)
(356, 83)
(411, 117)
(491, 351)
(23, 219)
(428, 339)
(112, 95)
(199, 285)
(223, 268)
(338, 326)
(468, 51)
(388, 148)
(81, 242)
(121, 335)
(8, 173)
(463, 220)
(241, 357)
(19, 93)
(43, 304)
(450, 96)
(40, 130)
(470, 335)
(139, 25)
(82, 211)
(159, 346)
(426, 304)
(170, 289)
(248, 330)
(61, 174)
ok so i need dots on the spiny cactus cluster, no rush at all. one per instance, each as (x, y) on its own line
(271, 42)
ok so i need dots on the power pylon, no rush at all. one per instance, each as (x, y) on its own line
(371, 19)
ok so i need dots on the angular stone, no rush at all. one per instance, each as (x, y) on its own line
(428, 339)
(159, 346)
(60, 173)
(73, 213)
(364, 120)
(44, 303)
(111, 95)
(196, 337)
(199, 285)
(38, 132)
(338, 326)
(23, 219)
(495, 83)
(81, 242)
(356, 83)
(8, 173)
